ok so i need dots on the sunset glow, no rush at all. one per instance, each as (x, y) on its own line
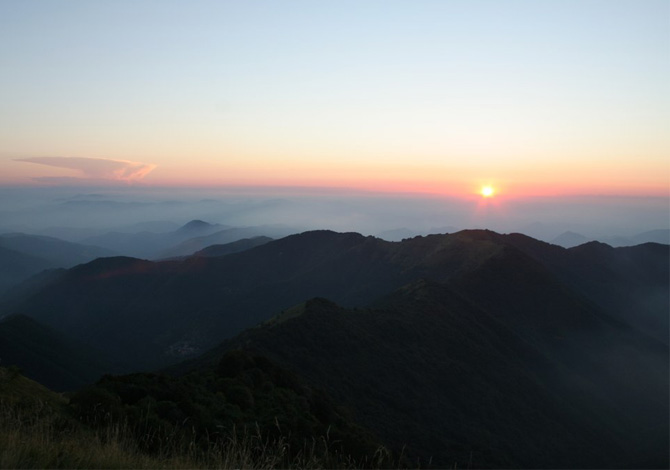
(487, 191)
(472, 197)
(415, 98)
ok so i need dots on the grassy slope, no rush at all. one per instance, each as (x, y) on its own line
(505, 363)
(48, 356)
(247, 414)
(155, 314)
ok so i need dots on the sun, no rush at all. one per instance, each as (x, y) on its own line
(487, 191)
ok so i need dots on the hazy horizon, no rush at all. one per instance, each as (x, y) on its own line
(101, 209)
(536, 117)
(553, 98)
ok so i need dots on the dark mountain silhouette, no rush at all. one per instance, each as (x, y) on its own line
(475, 349)
(233, 247)
(197, 226)
(148, 244)
(630, 283)
(652, 236)
(186, 240)
(16, 266)
(229, 235)
(59, 252)
(241, 392)
(246, 411)
(399, 234)
(481, 372)
(22, 256)
(156, 313)
(571, 239)
(48, 356)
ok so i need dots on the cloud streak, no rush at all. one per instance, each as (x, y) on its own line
(97, 168)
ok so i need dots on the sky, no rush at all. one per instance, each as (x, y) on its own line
(548, 98)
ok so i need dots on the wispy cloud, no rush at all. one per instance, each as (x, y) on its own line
(97, 168)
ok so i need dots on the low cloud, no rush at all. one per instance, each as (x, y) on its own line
(97, 168)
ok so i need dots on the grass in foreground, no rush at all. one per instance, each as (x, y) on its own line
(36, 431)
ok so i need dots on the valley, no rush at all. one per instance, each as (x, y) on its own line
(496, 350)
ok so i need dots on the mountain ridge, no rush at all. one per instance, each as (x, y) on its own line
(499, 350)
(427, 330)
(242, 289)
(49, 356)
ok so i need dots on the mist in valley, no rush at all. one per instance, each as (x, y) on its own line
(555, 347)
(77, 213)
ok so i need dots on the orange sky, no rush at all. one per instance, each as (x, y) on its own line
(534, 98)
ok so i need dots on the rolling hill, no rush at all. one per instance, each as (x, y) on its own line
(16, 267)
(23, 255)
(148, 244)
(475, 371)
(475, 348)
(50, 357)
(157, 313)
(59, 252)
(184, 241)
(222, 237)
(232, 247)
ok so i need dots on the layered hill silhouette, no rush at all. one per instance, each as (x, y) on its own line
(478, 371)
(149, 244)
(60, 253)
(58, 361)
(232, 247)
(157, 313)
(224, 237)
(571, 239)
(16, 266)
(193, 236)
(246, 412)
(473, 348)
(23, 255)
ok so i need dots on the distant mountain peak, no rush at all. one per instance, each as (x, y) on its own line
(594, 245)
(111, 267)
(323, 235)
(569, 239)
(195, 224)
(222, 249)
